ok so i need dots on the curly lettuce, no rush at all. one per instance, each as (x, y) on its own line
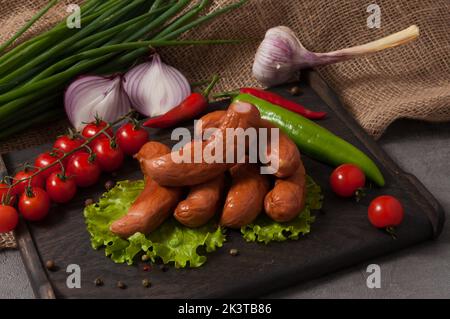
(267, 230)
(175, 243)
(172, 242)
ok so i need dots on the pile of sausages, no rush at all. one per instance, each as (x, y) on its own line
(247, 195)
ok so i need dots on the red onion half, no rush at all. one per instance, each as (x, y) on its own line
(155, 88)
(91, 96)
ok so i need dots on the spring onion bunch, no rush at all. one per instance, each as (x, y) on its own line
(114, 34)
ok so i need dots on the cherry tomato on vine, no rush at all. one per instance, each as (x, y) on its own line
(34, 204)
(45, 159)
(347, 179)
(67, 143)
(108, 154)
(60, 188)
(36, 181)
(9, 218)
(84, 169)
(385, 211)
(131, 138)
(4, 192)
(93, 128)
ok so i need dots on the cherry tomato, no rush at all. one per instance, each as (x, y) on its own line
(36, 181)
(60, 189)
(109, 155)
(45, 159)
(93, 128)
(9, 218)
(130, 138)
(84, 169)
(34, 204)
(347, 179)
(66, 144)
(385, 211)
(3, 193)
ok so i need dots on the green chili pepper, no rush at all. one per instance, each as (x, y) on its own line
(314, 140)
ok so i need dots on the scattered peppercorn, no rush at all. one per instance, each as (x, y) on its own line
(163, 268)
(88, 202)
(146, 268)
(145, 257)
(234, 252)
(121, 285)
(109, 184)
(50, 265)
(295, 90)
(146, 283)
(98, 282)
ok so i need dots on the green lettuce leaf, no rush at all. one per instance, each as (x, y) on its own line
(175, 243)
(172, 242)
(266, 230)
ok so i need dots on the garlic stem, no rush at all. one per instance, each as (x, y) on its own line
(409, 34)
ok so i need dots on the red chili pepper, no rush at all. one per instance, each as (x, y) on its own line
(190, 108)
(277, 100)
(285, 103)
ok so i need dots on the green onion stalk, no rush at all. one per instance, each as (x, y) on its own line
(114, 34)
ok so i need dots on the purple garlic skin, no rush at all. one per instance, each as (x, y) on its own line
(275, 58)
(280, 56)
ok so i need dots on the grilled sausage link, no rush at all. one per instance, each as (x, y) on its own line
(201, 203)
(245, 198)
(153, 205)
(287, 154)
(150, 150)
(210, 120)
(287, 199)
(168, 172)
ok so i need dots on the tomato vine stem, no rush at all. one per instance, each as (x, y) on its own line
(85, 144)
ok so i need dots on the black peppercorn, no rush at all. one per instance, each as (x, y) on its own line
(50, 265)
(98, 282)
(163, 268)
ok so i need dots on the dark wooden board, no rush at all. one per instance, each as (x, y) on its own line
(340, 237)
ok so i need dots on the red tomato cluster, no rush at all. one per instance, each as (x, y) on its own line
(81, 169)
(384, 211)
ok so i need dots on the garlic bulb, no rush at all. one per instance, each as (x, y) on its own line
(89, 97)
(154, 88)
(281, 55)
(276, 56)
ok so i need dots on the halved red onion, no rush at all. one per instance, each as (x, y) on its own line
(155, 88)
(90, 96)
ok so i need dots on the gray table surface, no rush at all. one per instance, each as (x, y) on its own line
(422, 271)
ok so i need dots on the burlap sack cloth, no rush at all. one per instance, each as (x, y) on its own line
(412, 81)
